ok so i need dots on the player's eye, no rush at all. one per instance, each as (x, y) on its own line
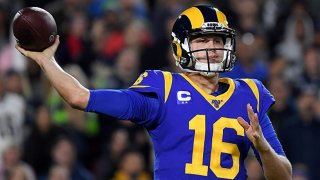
(217, 41)
(201, 40)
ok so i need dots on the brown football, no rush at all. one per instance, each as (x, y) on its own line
(34, 28)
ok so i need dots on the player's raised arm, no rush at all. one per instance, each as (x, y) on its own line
(67, 86)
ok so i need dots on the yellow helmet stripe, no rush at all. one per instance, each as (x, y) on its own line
(221, 18)
(179, 50)
(195, 16)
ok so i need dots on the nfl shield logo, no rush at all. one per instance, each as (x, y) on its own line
(216, 103)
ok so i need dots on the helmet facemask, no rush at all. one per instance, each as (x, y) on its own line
(189, 61)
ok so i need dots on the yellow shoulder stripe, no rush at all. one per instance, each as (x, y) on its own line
(254, 89)
(167, 84)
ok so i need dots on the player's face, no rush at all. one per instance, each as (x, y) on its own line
(207, 42)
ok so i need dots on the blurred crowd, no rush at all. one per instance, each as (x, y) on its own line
(108, 43)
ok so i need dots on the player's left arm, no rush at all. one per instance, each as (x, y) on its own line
(275, 166)
(260, 132)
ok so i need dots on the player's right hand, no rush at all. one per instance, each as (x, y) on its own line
(46, 54)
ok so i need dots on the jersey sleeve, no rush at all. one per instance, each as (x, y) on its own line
(124, 104)
(264, 101)
(150, 82)
(141, 103)
(263, 97)
(266, 98)
(156, 83)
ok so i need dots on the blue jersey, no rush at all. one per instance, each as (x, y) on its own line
(196, 135)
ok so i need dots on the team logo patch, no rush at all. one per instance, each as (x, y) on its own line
(183, 97)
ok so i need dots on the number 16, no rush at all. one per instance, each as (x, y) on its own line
(198, 124)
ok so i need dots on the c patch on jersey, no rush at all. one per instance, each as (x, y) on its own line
(184, 97)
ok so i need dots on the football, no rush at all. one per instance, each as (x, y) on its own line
(34, 28)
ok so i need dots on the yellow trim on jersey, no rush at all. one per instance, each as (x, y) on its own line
(223, 98)
(167, 84)
(254, 89)
(195, 16)
(139, 86)
(221, 18)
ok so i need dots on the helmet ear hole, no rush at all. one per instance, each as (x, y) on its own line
(185, 62)
(177, 51)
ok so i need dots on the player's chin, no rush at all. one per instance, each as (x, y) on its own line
(209, 75)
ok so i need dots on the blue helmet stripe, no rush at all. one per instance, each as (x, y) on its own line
(209, 14)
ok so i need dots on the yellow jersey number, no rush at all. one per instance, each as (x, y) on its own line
(196, 167)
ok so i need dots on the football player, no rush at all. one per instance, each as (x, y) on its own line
(201, 126)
